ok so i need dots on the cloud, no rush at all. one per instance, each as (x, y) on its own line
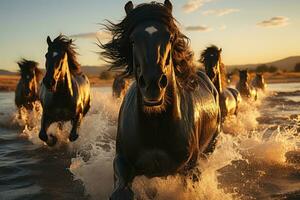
(101, 35)
(223, 27)
(278, 21)
(198, 28)
(193, 5)
(220, 12)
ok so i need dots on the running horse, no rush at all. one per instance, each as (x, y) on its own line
(170, 115)
(26, 93)
(65, 90)
(246, 90)
(230, 98)
(259, 82)
(120, 86)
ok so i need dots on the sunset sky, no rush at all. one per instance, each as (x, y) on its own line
(249, 31)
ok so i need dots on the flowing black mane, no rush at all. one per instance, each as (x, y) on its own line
(205, 58)
(118, 51)
(63, 43)
(27, 66)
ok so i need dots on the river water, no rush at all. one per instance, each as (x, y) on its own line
(257, 155)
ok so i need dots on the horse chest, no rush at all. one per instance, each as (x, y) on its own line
(160, 150)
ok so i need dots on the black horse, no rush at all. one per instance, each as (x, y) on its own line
(170, 115)
(120, 86)
(259, 82)
(230, 98)
(246, 90)
(65, 90)
(26, 93)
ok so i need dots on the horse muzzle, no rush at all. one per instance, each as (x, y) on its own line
(152, 102)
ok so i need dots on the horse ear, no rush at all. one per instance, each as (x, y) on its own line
(128, 7)
(169, 5)
(220, 50)
(49, 42)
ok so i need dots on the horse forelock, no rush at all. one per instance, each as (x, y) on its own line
(27, 66)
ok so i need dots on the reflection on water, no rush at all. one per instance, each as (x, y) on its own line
(250, 161)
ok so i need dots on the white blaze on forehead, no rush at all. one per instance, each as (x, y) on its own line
(151, 30)
(54, 54)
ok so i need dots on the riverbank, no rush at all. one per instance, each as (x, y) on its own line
(9, 82)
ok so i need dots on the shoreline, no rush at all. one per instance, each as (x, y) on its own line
(8, 82)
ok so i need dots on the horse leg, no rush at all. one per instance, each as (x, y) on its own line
(75, 126)
(45, 123)
(123, 177)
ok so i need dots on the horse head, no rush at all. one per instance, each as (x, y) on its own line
(56, 63)
(244, 75)
(211, 59)
(29, 77)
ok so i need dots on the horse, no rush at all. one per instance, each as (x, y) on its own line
(65, 89)
(230, 98)
(246, 90)
(26, 93)
(120, 86)
(259, 82)
(170, 115)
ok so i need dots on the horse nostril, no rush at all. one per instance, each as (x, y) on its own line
(142, 82)
(163, 81)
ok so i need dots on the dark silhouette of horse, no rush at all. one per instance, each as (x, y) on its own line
(170, 115)
(230, 98)
(259, 82)
(26, 93)
(65, 90)
(120, 86)
(246, 90)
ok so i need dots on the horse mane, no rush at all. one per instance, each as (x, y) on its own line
(204, 58)
(63, 43)
(118, 51)
(27, 66)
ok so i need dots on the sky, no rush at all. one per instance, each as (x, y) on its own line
(249, 31)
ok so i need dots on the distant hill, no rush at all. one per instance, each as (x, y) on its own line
(6, 72)
(89, 70)
(282, 64)
(93, 70)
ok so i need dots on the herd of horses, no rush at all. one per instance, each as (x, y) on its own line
(171, 113)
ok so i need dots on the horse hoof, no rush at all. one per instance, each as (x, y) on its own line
(52, 141)
(73, 137)
(43, 137)
(125, 194)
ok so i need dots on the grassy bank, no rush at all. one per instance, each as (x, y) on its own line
(9, 82)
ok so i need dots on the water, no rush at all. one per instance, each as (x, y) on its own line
(256, 157)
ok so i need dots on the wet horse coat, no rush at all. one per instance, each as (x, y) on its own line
(65, 91)
(170, 115)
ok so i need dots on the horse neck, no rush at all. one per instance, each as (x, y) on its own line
(218, 81)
